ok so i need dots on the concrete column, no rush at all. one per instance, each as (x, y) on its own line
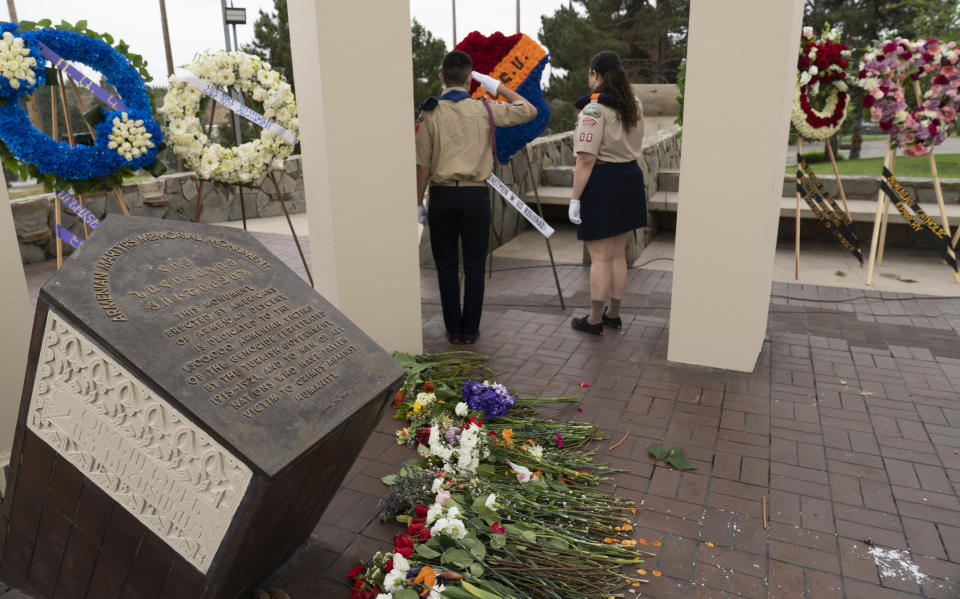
(737, 101)
(15, 322)
(354, 84)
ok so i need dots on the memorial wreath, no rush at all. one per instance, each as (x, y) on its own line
(821, 79)
(127, 137)
(882, 73)
(267, 88)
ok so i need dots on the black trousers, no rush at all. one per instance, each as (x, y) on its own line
(460, 214)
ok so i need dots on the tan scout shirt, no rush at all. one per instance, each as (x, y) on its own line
(454, 138)
(600, 132)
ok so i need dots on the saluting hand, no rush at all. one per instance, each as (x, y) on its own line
(487, 82)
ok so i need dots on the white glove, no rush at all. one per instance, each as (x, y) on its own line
(422, 214)
(573, 212)
(487, 82)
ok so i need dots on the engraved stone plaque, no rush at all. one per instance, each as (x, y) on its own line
(186, 383)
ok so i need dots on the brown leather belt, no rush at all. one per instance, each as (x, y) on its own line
(459, 184)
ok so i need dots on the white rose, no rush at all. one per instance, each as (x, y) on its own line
(400, 564)
(491, 500)
(393, 581)
(462, 409)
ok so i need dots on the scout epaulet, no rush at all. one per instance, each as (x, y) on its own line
(428, 104)
(605, 99)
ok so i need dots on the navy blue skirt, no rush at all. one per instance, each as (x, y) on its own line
(613, 202)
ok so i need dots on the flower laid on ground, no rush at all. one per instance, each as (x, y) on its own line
(821, 81)
(890, 65)
(499, 506)
(492, 398)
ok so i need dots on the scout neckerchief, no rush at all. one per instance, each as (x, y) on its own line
(605, 99)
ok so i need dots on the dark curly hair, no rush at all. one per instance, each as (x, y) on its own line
(615, 83)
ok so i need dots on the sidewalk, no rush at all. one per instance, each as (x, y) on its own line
(849, 424)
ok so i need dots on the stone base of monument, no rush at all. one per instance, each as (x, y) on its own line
(190, 408)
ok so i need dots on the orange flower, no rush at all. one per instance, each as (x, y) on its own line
(709, 544)
(657, 543)
(609, 540)
(636, 584)
(426, 577)
(628, 543)
(616, 528)
(626, 526)
(643, 542)
(657, 573)
(507, 435)
(642, 572)
(427, 388)
(633, 510)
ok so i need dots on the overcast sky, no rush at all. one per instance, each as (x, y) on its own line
(195, 25)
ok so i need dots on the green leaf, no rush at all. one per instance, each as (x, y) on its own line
(137, 60)
(498, 541)
(108, 38)
(425, 552)
(478, 592)
(452, 592)
(405, 519)
(555, 542)
(122, 47)
(44, 22)
(478, 551)
(406, 594)
(657, 450)
(27, 25)
(81, 25)
(388, 479)
(678, 460)
(92, 33)
(65, 26)
(457, 557)
(476, 569)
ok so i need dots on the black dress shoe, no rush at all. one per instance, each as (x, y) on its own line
(581, 324)
(454, 338)
(613, 323)
(470, 339)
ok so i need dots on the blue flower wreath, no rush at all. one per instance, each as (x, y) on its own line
(39, 73)
(80, 163)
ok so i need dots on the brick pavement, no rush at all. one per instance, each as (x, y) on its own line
(849, 424)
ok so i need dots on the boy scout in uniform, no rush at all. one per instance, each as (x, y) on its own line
(455, 157)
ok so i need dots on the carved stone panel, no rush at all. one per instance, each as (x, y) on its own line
(177, 480)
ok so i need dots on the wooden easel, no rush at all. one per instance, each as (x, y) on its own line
(879, 239)
(55, 131)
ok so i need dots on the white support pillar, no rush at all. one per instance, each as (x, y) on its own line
(354, 84)
(15, 321)
(737, 102)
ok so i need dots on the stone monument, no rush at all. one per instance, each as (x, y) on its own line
(189, 410)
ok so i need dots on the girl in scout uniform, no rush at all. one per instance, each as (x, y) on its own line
(609, 199)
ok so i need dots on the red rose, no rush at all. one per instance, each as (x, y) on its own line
(804, 63)
(388, 566)
(414, 529)
(940, 80)
(886, 125)
(932, 128)
(927, 57)
(889, 47)
(423, 436)
(355, 572)
(421, 511)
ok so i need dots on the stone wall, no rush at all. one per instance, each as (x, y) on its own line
(168, 197)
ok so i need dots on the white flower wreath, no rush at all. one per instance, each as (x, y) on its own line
(249, 162)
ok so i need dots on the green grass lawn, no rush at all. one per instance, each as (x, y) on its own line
(948, 166)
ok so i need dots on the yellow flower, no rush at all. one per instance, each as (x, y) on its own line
(657, 573)
(709, 544)
(626, 526)
(642, 572)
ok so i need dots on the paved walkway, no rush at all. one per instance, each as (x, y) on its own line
(849, 425)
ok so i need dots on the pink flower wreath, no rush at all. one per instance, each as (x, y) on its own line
(889, 64)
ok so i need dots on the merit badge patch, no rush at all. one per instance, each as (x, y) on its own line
(592, 111)
(590, 122)
(518, 62)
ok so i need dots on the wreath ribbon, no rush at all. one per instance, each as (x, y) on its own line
(85, 82)
(232, 104)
